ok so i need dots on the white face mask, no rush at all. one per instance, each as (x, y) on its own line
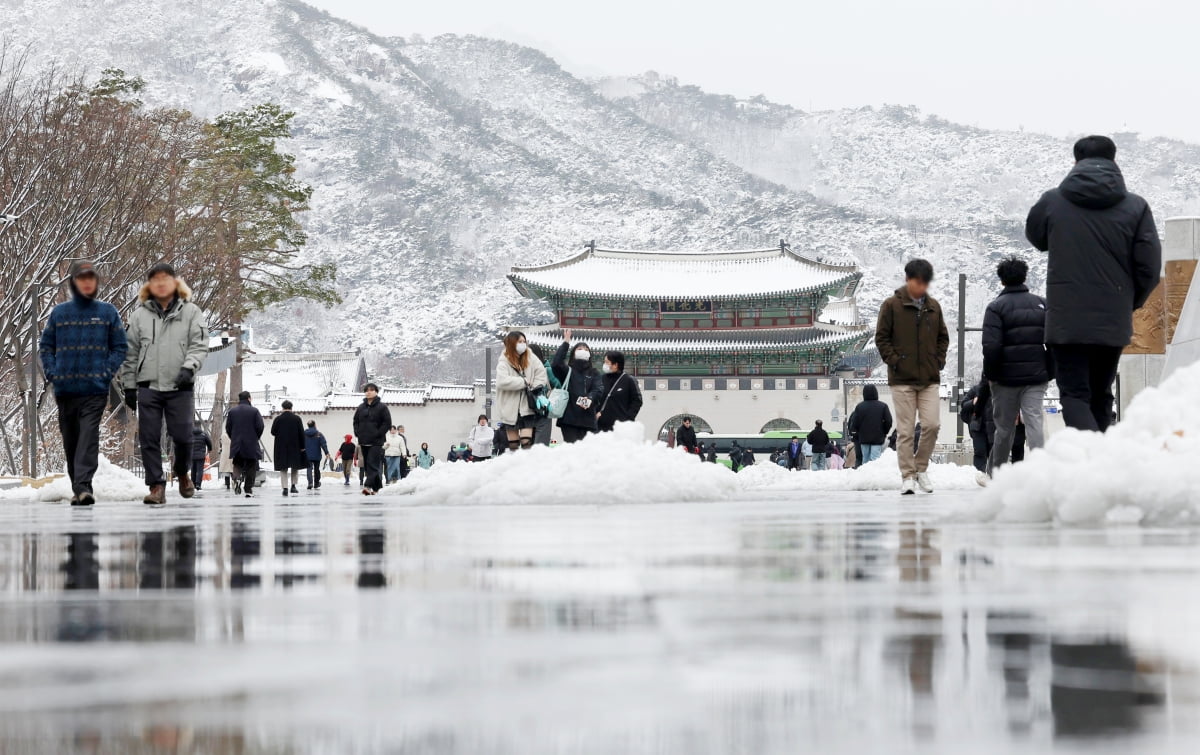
(584, 355)
(606, 367)
(521, 347)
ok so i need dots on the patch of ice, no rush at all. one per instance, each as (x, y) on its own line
(881, 474)
(111, 483)
(616, 467)
(1142, 470)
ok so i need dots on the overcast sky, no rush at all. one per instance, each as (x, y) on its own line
(1059, 66)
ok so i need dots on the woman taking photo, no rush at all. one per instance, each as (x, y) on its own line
(519, 379)
(584, 385)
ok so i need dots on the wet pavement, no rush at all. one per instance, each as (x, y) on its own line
(331, 623)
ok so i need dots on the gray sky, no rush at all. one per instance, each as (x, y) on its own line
(1059, 66)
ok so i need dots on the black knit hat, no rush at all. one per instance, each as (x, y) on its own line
(80, 268)
(161, 267)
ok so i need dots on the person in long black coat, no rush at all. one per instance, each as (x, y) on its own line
(585, 386)
(288, 430)
(244, 426)
(201, 445)
(1104, 261)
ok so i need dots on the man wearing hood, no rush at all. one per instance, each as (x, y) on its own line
(168, 341)
(316, 450)
(82, 348)
(870, 423)
(1104, 261)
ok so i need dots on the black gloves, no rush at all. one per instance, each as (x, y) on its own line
(185, 379)
(131, 398)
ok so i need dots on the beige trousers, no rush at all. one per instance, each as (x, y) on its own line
(916, 403)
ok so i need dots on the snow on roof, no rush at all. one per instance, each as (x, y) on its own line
(407, 396)
(550, 336)
(841, 312)
(302, 405)
(640, 274)
(451, 393)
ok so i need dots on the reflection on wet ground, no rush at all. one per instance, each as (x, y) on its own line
(853, 624)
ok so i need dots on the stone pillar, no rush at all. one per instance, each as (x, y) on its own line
(1155, 325)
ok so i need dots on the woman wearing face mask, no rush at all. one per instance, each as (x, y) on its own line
(517, 376)
(622, 397)
(424, 458)
(583, 383)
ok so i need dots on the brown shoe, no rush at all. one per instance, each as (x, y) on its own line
(187, 488)
(157, 495)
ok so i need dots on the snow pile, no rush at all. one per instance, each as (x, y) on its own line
(616, 467)
(881, 474)
(1143, 469)
(111, 483)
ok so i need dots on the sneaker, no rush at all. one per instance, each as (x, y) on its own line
(347, 483)
(157, 495)
(249, 494)
(75, 499)
(294, 491)
(285, 492)
(924, 483)
(908, 487)
(317, 486)
(982, 479)
(84, 499)
(186, 488)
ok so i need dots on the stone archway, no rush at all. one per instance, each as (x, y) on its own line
(782, 424)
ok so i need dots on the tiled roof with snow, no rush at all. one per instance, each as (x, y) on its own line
(690, 275)
(841, 312)
(451, 393)
(550, 336)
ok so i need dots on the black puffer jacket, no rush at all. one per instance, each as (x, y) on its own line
(621, 402)
(372, 422)
(1105, 255)
(818, 439)
(1014, 338)
(871, 421)
(585, 381)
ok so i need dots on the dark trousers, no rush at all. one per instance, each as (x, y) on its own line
(372, 465)
(312, 470)
(249, 471)
(572, 434)
(197, 471)
(177, 408)
(1018, 449)
(79, 422)
(1085, 379)
(983, 449)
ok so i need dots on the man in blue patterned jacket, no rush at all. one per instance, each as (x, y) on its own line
(82, 348)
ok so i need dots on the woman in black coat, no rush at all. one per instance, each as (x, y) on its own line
(586, 388)
(288, 430)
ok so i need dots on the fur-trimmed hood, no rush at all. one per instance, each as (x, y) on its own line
(182, 290)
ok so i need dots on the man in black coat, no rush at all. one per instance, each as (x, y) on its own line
(372, 420)
(244, 426)
(1015, 361)
(288, 430)
(685, 437)
(818, 439)
(870, 423)
(1105, 259)
(201, 445)
(622, 396)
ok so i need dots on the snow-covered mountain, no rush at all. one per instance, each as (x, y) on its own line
(439, 164)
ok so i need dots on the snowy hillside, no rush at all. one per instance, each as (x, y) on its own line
(439, 164)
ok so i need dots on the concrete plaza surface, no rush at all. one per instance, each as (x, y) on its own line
(832, 622)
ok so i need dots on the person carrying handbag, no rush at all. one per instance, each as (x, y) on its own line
(584, 386)
(519, 381)
(622, 396)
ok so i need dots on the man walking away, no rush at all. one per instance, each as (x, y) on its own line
(870, 423)
(201, 445)
(346, 455)
(735, 456)
(1015, 360)
(795, 455)
(371, 422)
(912, 338)
(168, 341)
(82, 349)
(686, 437)
(1104, 262)
(819, 440)
(288, 430)
(244, 425)
(316, 450)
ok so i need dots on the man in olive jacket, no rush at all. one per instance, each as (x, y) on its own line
(168, 341)
(912, 339)
(1104, 262)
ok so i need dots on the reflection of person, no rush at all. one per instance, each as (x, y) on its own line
(82, 349)
(912, 339)
(1104, 262)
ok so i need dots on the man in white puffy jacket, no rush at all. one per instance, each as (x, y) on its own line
(480, 439)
